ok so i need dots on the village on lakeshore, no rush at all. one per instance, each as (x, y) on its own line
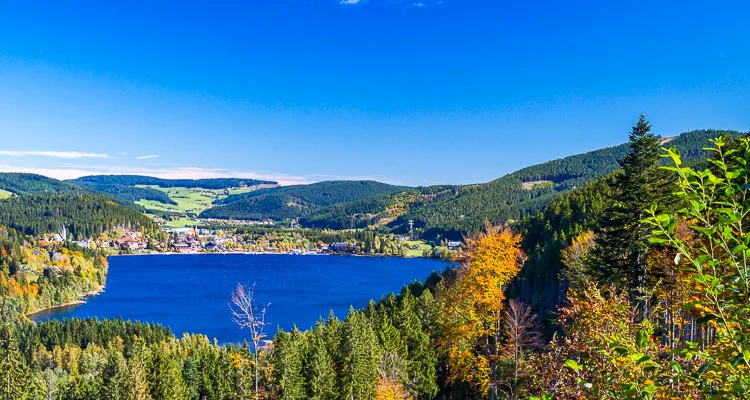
(193, 240)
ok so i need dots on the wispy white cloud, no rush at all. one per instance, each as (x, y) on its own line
(418, 4)
(350, 2)
(147, 157)
(55, 154)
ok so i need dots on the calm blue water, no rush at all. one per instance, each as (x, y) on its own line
(191, 293)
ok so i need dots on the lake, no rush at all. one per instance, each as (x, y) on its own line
(191, 293)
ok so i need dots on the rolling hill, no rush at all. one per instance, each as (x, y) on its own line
(445, 210)
(130, 193)
(84, 215)
(172, 198)
(21, 183)
(452, 211)
(296, 201)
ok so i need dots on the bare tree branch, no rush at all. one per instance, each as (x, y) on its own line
(246, 314)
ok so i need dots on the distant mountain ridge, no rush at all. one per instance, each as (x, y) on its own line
(23, 183)
(288, 202)
(134, 180)
(453, 211)
(443, 210)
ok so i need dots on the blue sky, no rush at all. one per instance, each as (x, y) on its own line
(408, 92)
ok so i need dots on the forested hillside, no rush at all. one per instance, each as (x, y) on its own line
(296, 201)
(84, 216)
(133, 180)
(21, 183)
(382, 210)
(455, 211)
(129, 193)
(32, 278)
(547, 233)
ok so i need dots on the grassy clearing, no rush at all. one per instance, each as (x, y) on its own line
(183, 222)
(532, 184)
(241, 190)
(422, 246)
(4, 194)
(189, 200)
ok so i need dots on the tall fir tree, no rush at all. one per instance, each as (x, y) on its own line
(136, 383)
(319, 370)
(13, 372)
(114, 376)
(621, 252)
(359, 358)
(421, 356)
(287, 360)
(166, 374)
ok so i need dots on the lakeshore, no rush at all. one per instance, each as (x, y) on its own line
(78, 302)
(190, 294)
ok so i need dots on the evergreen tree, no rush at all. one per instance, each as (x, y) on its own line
(191, 376)
(319, 371)
(136, 383)
(620, 255)
(13, 373)
(421, 357)
(222, 381)
(166, 374)
(389, 338)
(114, 376)
(288, 353)
(359, 358)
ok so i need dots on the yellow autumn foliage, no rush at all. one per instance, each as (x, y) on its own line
(388, 389)
(472, 306)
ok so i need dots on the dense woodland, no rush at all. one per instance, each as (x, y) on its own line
(388, 210)
(290, 202)
(453, 211)
(83, 215)
(33, 278)
(641, 275)
(21, 183)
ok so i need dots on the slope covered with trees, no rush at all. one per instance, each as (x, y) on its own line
(296, 201)
(507, 199)
(455, 211)
(129, 193)
(22, 183)
(32, 277)
(83, 215)
(382, 210)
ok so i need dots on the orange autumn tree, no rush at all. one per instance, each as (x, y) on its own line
(472, 304)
